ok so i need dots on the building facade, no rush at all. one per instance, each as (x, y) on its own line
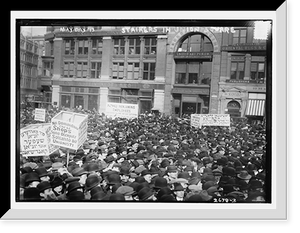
(175, 70)
(29, 59)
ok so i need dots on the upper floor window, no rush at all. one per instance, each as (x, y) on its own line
(149, 71)
(195, 43)
(69, 47)
(97, 46)
(119, 46)
(239, 36)
(237, 70)
(134, 45)
(95, 69)
(150, 45)
(257, 70)
(83, 47)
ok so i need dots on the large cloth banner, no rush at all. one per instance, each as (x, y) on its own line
(128, 111)
(35, 140)
(199, 120)
(69, 129)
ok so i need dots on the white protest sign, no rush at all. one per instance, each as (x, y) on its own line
(215, 120)
(35, 140)
(39, 114)
(69, 129)
(128, 111)
(195, 120)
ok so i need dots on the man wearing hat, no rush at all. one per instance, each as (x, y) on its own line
(126, 191)
(171, 173)
(32, 179)
(179, 192)
(146, 194)
(43, 174)
(81, 173)
(46, 191)
(125, 175)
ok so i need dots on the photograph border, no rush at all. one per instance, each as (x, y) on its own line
(186, 211)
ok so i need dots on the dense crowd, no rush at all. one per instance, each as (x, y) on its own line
(150, 158)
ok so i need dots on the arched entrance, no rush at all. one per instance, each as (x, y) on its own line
(233, 108)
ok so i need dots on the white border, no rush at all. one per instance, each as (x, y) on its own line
(276, 210)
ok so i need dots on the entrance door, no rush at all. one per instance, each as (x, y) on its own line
(189, 108)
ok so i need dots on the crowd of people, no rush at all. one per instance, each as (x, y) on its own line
(151, 158)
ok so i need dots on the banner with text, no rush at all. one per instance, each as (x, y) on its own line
(39, 114)
(69, 129)
(199, 120)
(128, 111)
(35, 140)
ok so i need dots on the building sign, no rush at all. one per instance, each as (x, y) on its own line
(242, 47)
(69, 129)
(39, 114)
(172, 30)
(193, 55)
(196, 91)
(244, 81)
(35, 140)
(128, 111)
(199, 120)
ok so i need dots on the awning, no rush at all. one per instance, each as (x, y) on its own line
(255, 107)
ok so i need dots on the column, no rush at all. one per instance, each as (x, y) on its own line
(55, 95)
(214, 85)
(57, 64)
(103, 99)
(106, 58)
(161, 52)
(247, 67)
(159, 96)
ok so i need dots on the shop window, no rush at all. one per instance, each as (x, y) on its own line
(239, 36)
(65, 89)
(95, 69)
(78, 101)
(65, 101)
(93, 90)
(97, 45)
(237, 70)
(69, 47)
(114, 96)
(145, 105)
(79, 89)
(93, 102)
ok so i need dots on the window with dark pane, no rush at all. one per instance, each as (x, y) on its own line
(119, 46)
(134, 45)
(97, 46)
(95, 69)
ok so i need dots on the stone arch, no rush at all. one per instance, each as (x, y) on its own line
(204, 30)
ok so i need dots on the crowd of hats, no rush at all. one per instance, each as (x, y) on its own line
(152, 158)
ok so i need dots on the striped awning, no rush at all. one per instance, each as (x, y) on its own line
(255, 107)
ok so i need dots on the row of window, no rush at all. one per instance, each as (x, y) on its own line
(30, 58)
(120, 45)
(29, 46)
(237, 71)
(28, 83)
(29, 71)
(120, 70)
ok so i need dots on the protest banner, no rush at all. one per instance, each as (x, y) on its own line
(39, 114)
(69, 129)
(35, 140)
(199, 120)
(195, 120)
(215, 120)
(128, 111)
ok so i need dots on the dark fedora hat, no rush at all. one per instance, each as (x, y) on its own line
(124, 170)
(32, 194)
(91, 167)
(244, 175)
(42, 171)
(74, 186)
(145, 193)
(32, 176)
(117, 197)
(92, 181)
(178, 187)
(160, 182)
(57, 181)
(113, 179)
(76, 196)
(97, 193)
(43, 186)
